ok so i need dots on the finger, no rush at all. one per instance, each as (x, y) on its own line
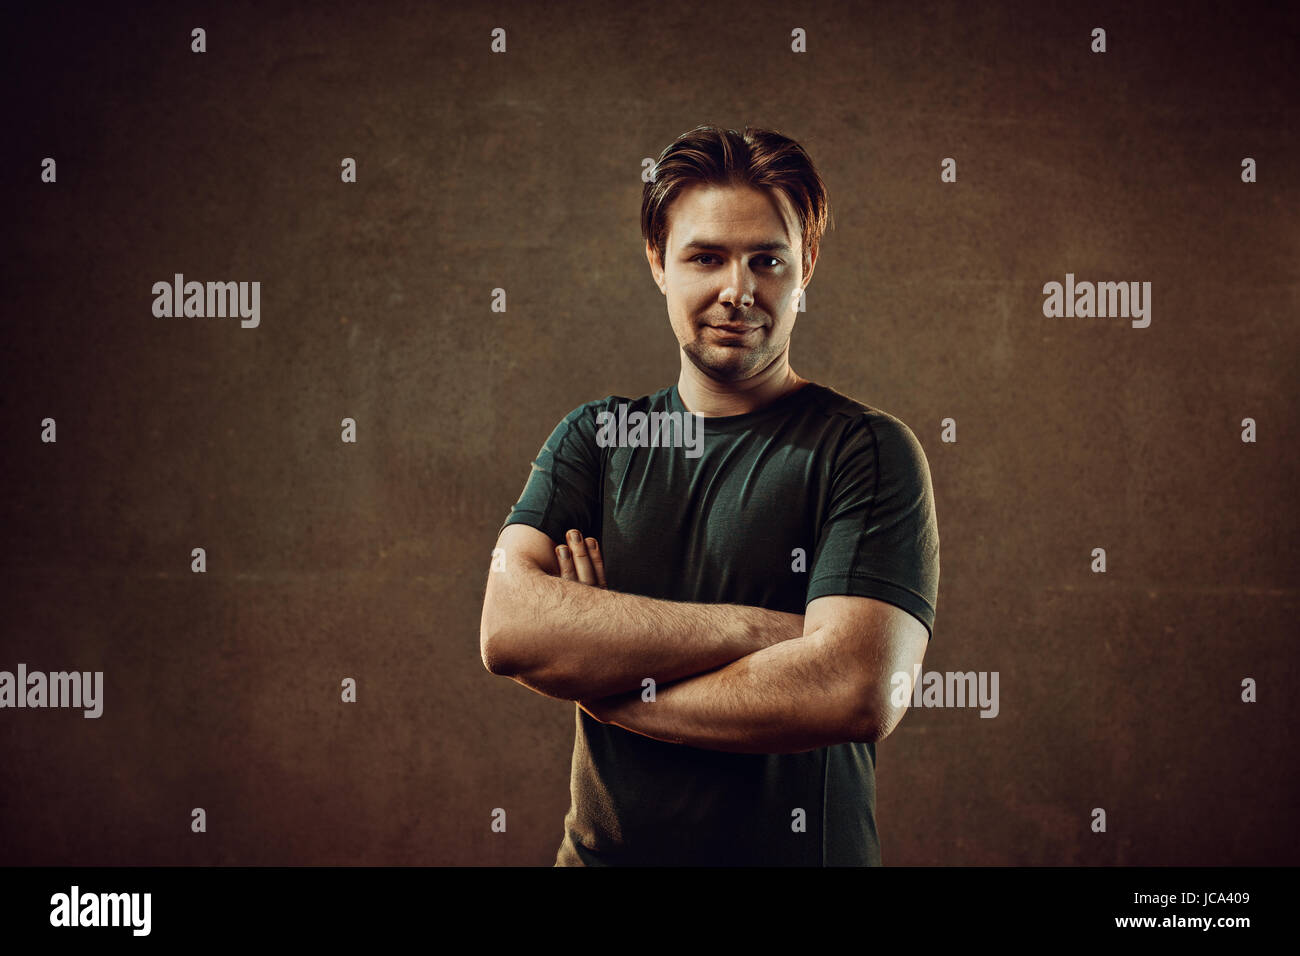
(581, 560)
(566, 563)
(597, 561)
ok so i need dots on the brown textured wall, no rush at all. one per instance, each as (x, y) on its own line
(521, 171)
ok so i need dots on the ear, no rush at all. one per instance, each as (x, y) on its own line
(812, 264)
(656, 267)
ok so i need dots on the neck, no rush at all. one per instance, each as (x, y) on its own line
(714, 399)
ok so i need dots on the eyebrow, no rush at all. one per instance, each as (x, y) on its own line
(770, 245)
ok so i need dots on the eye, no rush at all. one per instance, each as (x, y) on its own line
(771, 261)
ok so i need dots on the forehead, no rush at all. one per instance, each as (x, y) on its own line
(731, 215)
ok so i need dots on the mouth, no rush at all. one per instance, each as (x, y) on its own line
(735, 329)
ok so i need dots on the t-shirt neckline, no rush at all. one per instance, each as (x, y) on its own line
(713, 421)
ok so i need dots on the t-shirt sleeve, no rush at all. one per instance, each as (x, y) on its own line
(563, 487)
(880, 537)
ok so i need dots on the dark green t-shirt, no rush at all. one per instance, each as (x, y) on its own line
(814, 494)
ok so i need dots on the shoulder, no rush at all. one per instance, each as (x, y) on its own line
(611, 403)
(587, 417)
(868, 438)
(862, 422)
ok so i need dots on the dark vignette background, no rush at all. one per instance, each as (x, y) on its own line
(521, 171)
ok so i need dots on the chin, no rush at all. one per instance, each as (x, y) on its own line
(736, 366)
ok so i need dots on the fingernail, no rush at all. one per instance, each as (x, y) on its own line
(564, 552)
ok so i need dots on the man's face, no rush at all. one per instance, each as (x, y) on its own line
(733, 258)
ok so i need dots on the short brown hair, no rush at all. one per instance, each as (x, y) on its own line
(760, 158)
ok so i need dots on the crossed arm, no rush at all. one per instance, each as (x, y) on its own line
(727, 677)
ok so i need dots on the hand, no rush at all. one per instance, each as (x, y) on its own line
(581, 560)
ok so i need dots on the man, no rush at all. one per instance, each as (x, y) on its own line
(729, 614)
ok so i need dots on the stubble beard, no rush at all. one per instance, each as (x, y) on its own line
(730, 363)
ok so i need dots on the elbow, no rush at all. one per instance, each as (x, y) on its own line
(508, 651)
(870, 724)
(491, 656)
(493, 645)
(546, 679)
(875, 732)
(502, 644)
(873, 710)
(500, 641)
(502, 656)
(873, 726)
(495, 651)
(865, 729)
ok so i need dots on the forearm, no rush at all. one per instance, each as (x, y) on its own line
(786, 698)
(572, 641)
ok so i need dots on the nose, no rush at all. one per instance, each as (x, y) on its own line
(739, 293)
